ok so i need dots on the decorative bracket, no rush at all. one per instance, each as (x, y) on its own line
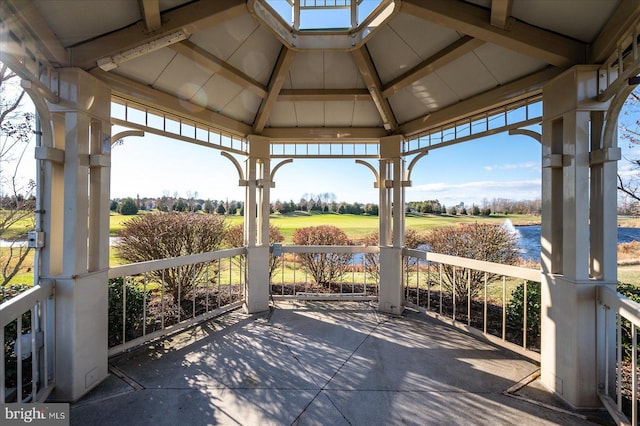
(235, 162)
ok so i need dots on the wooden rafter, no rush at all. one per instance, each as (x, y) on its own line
(372, 80)
(447, 55)
(500, 13)
(44, 37)
(285, 60)
(475, 21)
(150, 11)
(321, 95)
(216, 65)
(189, 18)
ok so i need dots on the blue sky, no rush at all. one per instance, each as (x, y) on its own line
(499, 166)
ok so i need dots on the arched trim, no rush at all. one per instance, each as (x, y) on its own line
(280, 164)
(235, 163)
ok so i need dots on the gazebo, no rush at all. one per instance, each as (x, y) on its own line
(382, 82)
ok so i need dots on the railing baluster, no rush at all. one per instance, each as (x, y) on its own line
(440, 267)
(619, 360)
(144, 304)
(504, 307)
(634, 374)
(124, 309)
(453, 293)
(162, 299)
(485, 304)
(524, 320)
(34, 353)
(469, 297)
(18, 346)
(3, 376)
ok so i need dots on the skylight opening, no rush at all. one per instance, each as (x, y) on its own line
(324, 15)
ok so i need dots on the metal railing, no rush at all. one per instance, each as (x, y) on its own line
(160, 297)
(325, 272)
(28, 342)
(477, 296)
(618, 381)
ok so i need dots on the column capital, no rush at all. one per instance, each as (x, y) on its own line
(258, 146)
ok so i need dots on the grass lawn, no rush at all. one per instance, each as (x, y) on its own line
(355, 227)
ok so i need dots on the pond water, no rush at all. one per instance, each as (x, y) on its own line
(529, 240)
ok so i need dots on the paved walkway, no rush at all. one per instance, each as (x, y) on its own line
(319, 363)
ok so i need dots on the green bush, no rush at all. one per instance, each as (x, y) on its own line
(633, 293)
(128, 207)
(134, 310)
(515, 309)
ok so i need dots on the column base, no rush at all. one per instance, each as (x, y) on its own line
(390, 297)
(256, 296)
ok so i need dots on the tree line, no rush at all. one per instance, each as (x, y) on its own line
(324, 203)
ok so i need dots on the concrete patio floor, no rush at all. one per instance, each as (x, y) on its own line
(321, 363)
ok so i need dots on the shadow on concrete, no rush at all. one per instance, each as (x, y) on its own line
(318, 363)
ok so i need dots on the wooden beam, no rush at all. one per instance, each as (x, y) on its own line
(494, 98)
(150, 11)
(153, 98)
(447, 55)
(616, 27)
(372, 80)
(543, 45)
(500, 13)
(324, 134)
(189, 18)
(43, 36)
(280, 71)
(320, 95)
(216, 65)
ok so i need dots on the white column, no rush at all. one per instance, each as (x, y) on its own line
(75, 182)
(391, 232)
(256, 219)
(569, 364)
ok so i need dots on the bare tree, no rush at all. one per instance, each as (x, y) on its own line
(629, 128)
(16, 197)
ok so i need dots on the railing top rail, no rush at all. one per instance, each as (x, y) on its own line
(20, 304)
(624, 306)
(330, 249)
(478, 265)
(154, 265)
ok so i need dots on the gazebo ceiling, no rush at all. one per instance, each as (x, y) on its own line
(221, 57)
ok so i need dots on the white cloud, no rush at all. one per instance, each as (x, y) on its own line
(475, 192)
(528, 165)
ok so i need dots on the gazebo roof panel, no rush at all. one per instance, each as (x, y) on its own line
(365, 114)
(580, 20)
(391, 54)
(467, 76)
(223, 40)
(171, 79)
(76, 21)
(339, 113)
(307, 71)
(283, 115)
(423, 37)
(506, 65)
(146, 69)
(257, 55)
(243, 107)
(218, 92)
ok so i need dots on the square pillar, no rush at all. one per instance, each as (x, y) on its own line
(76, 225)
(391, 230)
(571, 120)
(256, 225)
